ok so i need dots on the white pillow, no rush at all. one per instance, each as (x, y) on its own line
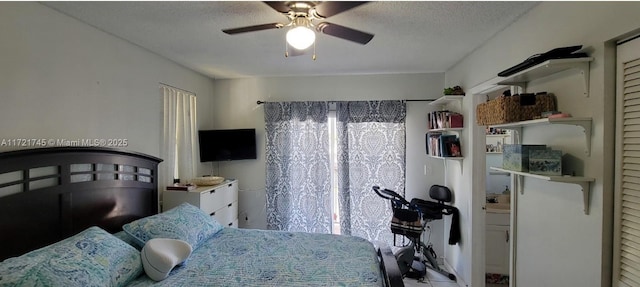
(160, 255)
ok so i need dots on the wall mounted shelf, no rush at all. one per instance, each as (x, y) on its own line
(499, 173)
(458, 158)
(583, 182)
(539, 71)
(549, 68)
(584, 123)
(446, 130)
(445, 100)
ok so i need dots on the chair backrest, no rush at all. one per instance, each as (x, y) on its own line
(440, 193)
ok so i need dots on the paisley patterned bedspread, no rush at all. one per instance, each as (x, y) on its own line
(248, 257)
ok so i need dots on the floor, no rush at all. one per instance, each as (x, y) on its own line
(435, 279)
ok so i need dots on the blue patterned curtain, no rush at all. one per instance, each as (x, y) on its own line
(297, 167)
(371, 151)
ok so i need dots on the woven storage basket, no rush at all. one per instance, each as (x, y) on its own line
(207, 180)
(514, 108)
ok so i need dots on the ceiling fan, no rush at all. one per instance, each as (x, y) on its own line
(301, 15)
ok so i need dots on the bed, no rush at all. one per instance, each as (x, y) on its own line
(62, 213)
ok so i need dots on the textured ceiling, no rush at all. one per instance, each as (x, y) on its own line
(410, 37)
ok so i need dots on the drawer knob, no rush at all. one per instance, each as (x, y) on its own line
(230, 224)
(212, 191)
(230, 204)
(213, 213)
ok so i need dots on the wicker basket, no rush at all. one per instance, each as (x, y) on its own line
(207, 180)
(514, 108)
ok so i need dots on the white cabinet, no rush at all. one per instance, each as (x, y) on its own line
(497, 243)
(219, 201)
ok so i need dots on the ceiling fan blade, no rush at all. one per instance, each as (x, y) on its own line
(344, 32)
(253, 28)
(328, 9)
(279, 6)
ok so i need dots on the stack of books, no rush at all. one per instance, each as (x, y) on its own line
(444, 120)
(183, 187)
(443, 145)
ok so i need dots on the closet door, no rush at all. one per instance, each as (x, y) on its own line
(626, 270)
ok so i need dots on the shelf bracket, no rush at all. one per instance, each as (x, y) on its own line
(586, 192)
(520, 183)
(517, 135)
(584, 71)
(444, 163)
(521, 84)
(586, 127)
(456, 159)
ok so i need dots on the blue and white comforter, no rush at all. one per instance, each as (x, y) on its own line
(247, 257)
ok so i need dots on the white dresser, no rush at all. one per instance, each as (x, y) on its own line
(219, 201)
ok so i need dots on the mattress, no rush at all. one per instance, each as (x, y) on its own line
(250, 257)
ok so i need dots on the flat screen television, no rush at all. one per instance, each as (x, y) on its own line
(223, 145)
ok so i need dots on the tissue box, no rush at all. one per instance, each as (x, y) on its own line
(545, 162)
(516, 156)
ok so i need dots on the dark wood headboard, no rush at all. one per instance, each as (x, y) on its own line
(49, 194)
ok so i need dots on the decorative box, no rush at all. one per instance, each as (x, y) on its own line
(516, 156)
(545, 162)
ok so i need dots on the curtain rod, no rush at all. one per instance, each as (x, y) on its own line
(426, 100)
(170, 86)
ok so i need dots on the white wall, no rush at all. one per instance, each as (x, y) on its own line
(558, 245)
(235, 107)
(62, 79)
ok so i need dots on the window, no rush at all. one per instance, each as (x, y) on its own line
(179, 135)
(322, 162)
(333, 159)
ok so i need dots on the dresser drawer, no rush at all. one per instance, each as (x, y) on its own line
(212, 200)
(233, 212)
(227, 214)
(230, 193)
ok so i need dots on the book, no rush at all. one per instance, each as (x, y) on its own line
(444, 119)
(454, 148)
(455, 120)
(446, 145)
(182, 187)
(432, 143)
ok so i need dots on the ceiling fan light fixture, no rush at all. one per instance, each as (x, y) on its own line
(301, 37)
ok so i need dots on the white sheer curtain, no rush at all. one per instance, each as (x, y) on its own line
(179, 136)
